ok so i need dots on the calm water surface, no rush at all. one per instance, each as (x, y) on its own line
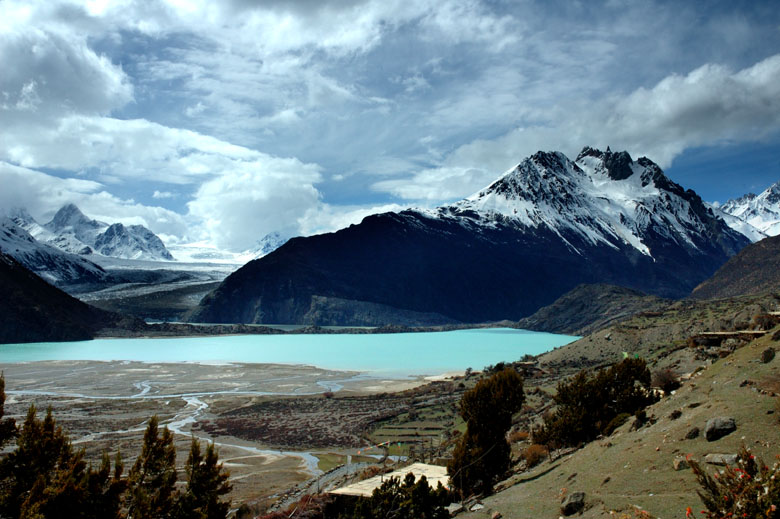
(398, 354)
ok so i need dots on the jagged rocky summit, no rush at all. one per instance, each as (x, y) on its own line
(51, 263)
(543, 228)
(72, 231)
(761, 211)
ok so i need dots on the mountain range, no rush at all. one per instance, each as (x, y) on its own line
(71, 231)
(51, 263)
(541, 229)
(761, 211)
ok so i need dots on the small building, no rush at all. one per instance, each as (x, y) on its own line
(433, 473)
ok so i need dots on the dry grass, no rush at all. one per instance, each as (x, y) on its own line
(518, 436)
(534, 454)
(633, 469)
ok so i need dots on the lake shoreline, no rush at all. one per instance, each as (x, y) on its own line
(187, 330)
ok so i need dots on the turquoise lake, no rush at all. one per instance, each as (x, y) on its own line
(398, 354)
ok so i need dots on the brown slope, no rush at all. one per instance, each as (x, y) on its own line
(755, 270)
(631, 471)
(588, 308)
(31, 310)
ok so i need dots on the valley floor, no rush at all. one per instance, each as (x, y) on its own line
(104, 406)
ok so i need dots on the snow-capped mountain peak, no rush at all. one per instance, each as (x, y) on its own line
(762, 211)
(70, 216)
(132, 242)
(51, 263)
(72, 231)
(603, 197)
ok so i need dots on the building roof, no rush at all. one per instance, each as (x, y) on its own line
(433, 473)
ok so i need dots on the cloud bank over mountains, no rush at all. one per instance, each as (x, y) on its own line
(227, 121)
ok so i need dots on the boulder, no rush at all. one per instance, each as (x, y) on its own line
(454, 509)
(720, 459)
(573, 503)
(719, 427)
(681, 464)
(692, 433)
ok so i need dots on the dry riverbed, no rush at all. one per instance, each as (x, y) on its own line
(104, 406)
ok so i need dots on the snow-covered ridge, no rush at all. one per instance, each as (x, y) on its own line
(603, 197)
(72, 231)
(760, 211)
(52, 264)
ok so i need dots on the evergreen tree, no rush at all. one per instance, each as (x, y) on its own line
(44, 478)
(587, 405)
(152, 480)
(104, 489)
(41, 448)
(483, 454)
(7, 425)
(408, 500)
(206, 484)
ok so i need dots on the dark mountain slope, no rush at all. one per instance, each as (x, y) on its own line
(755, 270)
(542, 229)
(589, 308)
(31, 310)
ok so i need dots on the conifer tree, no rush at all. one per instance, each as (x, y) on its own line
(483, 454)
(41, 448)
(206, 484)
(152, 480)
(7, 425)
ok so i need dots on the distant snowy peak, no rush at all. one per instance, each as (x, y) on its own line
(760, 211)
(72, 231)
(131, 242)
(602, 198)
(268, 243)
(52, 264)
(70, 221)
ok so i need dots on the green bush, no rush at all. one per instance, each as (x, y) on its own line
(483, 455)
(588, 404)
(615, 423)
(403, 499)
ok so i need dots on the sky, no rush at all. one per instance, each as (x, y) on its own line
(224, 121)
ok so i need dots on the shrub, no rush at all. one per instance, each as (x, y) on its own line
(402, 499)
(750, 489)
(587, 404)
(483, 454)
(665, 380)
(519, 436)
(615, 423)
(767, 355)
(764, 322)
(534, 454)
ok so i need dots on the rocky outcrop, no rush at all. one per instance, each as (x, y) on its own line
(573, 503)
(719, 427)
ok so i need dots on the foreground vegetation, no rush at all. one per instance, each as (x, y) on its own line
(44, 477)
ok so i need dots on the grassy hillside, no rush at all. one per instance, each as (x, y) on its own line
(755, 270)
(631, 471)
